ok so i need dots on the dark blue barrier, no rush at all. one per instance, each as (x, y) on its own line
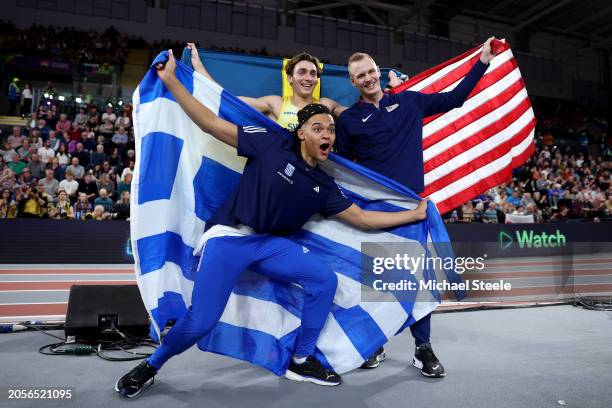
(73, 242)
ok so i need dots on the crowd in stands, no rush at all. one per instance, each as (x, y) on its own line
(68, 44)
(62, 167)
(568, 178)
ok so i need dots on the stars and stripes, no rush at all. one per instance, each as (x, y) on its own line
(473, 148)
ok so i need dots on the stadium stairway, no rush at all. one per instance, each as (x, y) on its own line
(12, 121)
(135, 67)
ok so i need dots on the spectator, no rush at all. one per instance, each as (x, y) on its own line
(74, 132)
(76, 169)
(99, 214)
(107, 184)
(109, 115)
(122, 206)
(82, 208)
(99, 157)
(82, 154)
(63, 156)
(89, 141)
(107, 129)
(128, 170)
(16, 138)
(14, 97)
(58, 171)
(120, 139)
(36, 167)
(24, 151)
(7, 152)
(124, 120)
(46, 153)
(43, 128)
(115, 158)
(89, 186)
(8, 207)
(26, 100)
(32, 204)
(54, 142)
(514, 199)
(490, 214)
(16, 165)
(36, 142)
(125, 185)
(81, 118)
(64, 207)
(7, 178)
(63, 124)
(104, 201)
(49, 184)
(69, 185)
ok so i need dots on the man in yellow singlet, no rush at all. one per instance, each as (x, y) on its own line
(303, 73)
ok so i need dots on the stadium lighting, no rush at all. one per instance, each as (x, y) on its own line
(61, 97)
(78, 100)
(110, 105)
(120, 103)
(46, 95)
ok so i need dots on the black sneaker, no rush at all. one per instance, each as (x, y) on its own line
(375, 359)
(427, 362)
(312, 371)
(133, 383)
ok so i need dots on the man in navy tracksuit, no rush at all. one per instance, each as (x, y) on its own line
(281, 187)
(385, 132)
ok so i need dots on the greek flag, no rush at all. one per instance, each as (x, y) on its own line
(183, 175)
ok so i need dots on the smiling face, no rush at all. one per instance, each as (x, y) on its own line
(318, 135)
(365, 76)
(304, 78)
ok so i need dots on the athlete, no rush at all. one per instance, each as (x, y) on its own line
(281, 187)
(385, 133)
(303, 73)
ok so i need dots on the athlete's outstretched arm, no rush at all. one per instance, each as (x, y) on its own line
(266, 104)
(196, 62)
(202, 116)
(369, 220)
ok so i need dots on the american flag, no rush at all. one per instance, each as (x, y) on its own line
(470, 149)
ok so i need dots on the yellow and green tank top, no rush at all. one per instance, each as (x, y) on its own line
(288, 114)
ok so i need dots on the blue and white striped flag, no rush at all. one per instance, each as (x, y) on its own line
(183, 175)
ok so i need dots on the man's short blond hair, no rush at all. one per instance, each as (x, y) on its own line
(359, 56)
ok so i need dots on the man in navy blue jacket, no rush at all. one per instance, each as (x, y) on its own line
(385, 133)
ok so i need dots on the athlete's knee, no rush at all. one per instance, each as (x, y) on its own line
(325, 281)
(198, 324)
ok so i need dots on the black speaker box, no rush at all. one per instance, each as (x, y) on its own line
(94, 311)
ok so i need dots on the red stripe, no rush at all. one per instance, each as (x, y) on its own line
(489, 79)
(63, 271)
(478, 137)
(35, 309)
(493, 180)
(451, 77)
(473, 115)
(6, 286)
(480, 161)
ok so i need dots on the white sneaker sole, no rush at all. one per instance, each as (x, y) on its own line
(419, 364)
(144, 387)
(290, 375)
